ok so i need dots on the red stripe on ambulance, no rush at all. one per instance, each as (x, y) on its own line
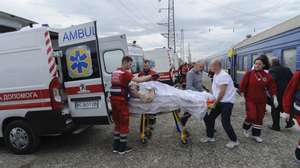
(164, 76)
(25, 106)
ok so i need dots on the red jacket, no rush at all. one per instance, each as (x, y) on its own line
(288, 96)
(119, 84)
(183, 69)
(155, 76)
(255, 84)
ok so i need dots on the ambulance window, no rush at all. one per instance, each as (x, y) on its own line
(138, 63)
(80, 62)
(112, 60)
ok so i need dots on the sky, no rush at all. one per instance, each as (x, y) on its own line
(210, 26)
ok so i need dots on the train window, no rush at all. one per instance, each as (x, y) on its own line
(254, 57)
(240, 63)
(224, 63)
(289, 58)
(245, 63)
(270, 56)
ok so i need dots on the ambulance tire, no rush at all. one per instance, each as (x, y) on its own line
(33, 140)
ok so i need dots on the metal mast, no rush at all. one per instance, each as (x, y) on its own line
(190, 54)
(171, 26)
(182, 54)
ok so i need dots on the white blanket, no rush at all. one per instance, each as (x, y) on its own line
(168, 99)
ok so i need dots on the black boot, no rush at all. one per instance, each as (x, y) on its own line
(123, 148)
(297, 154)
(116, 145)
(116, 142)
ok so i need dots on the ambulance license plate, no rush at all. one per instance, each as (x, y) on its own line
(87, 104)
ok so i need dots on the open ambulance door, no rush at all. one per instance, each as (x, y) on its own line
(83, 79)
(112, 50)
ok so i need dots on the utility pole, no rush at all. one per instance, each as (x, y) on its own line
(190, 54)
(182, 55)
(171, 25)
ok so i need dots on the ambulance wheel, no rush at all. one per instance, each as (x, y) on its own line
(20, 138)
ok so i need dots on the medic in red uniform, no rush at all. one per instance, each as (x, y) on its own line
(255, 86)
(119, 102)
(183, 70)
(150, 118)
(288, 103)
(148, 71)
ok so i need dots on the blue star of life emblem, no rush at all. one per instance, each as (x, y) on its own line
(78, 61)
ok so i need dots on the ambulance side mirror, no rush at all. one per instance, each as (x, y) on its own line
(57, 54)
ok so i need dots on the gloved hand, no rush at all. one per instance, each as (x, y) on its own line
(286, 116)
(242, 94)
(275, 101)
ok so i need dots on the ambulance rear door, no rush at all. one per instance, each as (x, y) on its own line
(112, 50)
(82, 74)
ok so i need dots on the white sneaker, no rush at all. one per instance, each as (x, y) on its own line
(246, 133)
(207, 139)
(232, 144)
(258, 139)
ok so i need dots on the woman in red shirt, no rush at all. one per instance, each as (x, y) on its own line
(255, 86)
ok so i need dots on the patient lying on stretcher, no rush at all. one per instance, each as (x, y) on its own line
(147, 95)
(155, 97)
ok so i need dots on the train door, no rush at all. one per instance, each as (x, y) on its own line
(233, 69)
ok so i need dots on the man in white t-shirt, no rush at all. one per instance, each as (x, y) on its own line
(224, 92)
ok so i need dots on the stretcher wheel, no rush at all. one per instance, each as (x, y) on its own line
(144, 140)
(184, 137)
(148, 134)
(184, 141)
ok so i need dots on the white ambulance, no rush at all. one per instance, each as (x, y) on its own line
(136, 52)
(161, 60)
(52, 81)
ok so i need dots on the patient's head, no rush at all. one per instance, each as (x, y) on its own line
(146, 95)
(134, 89)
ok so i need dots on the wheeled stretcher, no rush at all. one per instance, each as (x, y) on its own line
(169, 100)
(179, 127)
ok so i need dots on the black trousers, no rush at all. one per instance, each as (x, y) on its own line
(275, 113)
(225, 109)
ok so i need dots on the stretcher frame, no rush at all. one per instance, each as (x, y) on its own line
(179, 127)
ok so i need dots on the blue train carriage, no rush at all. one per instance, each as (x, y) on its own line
(281, 41)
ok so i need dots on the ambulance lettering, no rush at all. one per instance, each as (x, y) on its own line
(80, 33)
(19, 96)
